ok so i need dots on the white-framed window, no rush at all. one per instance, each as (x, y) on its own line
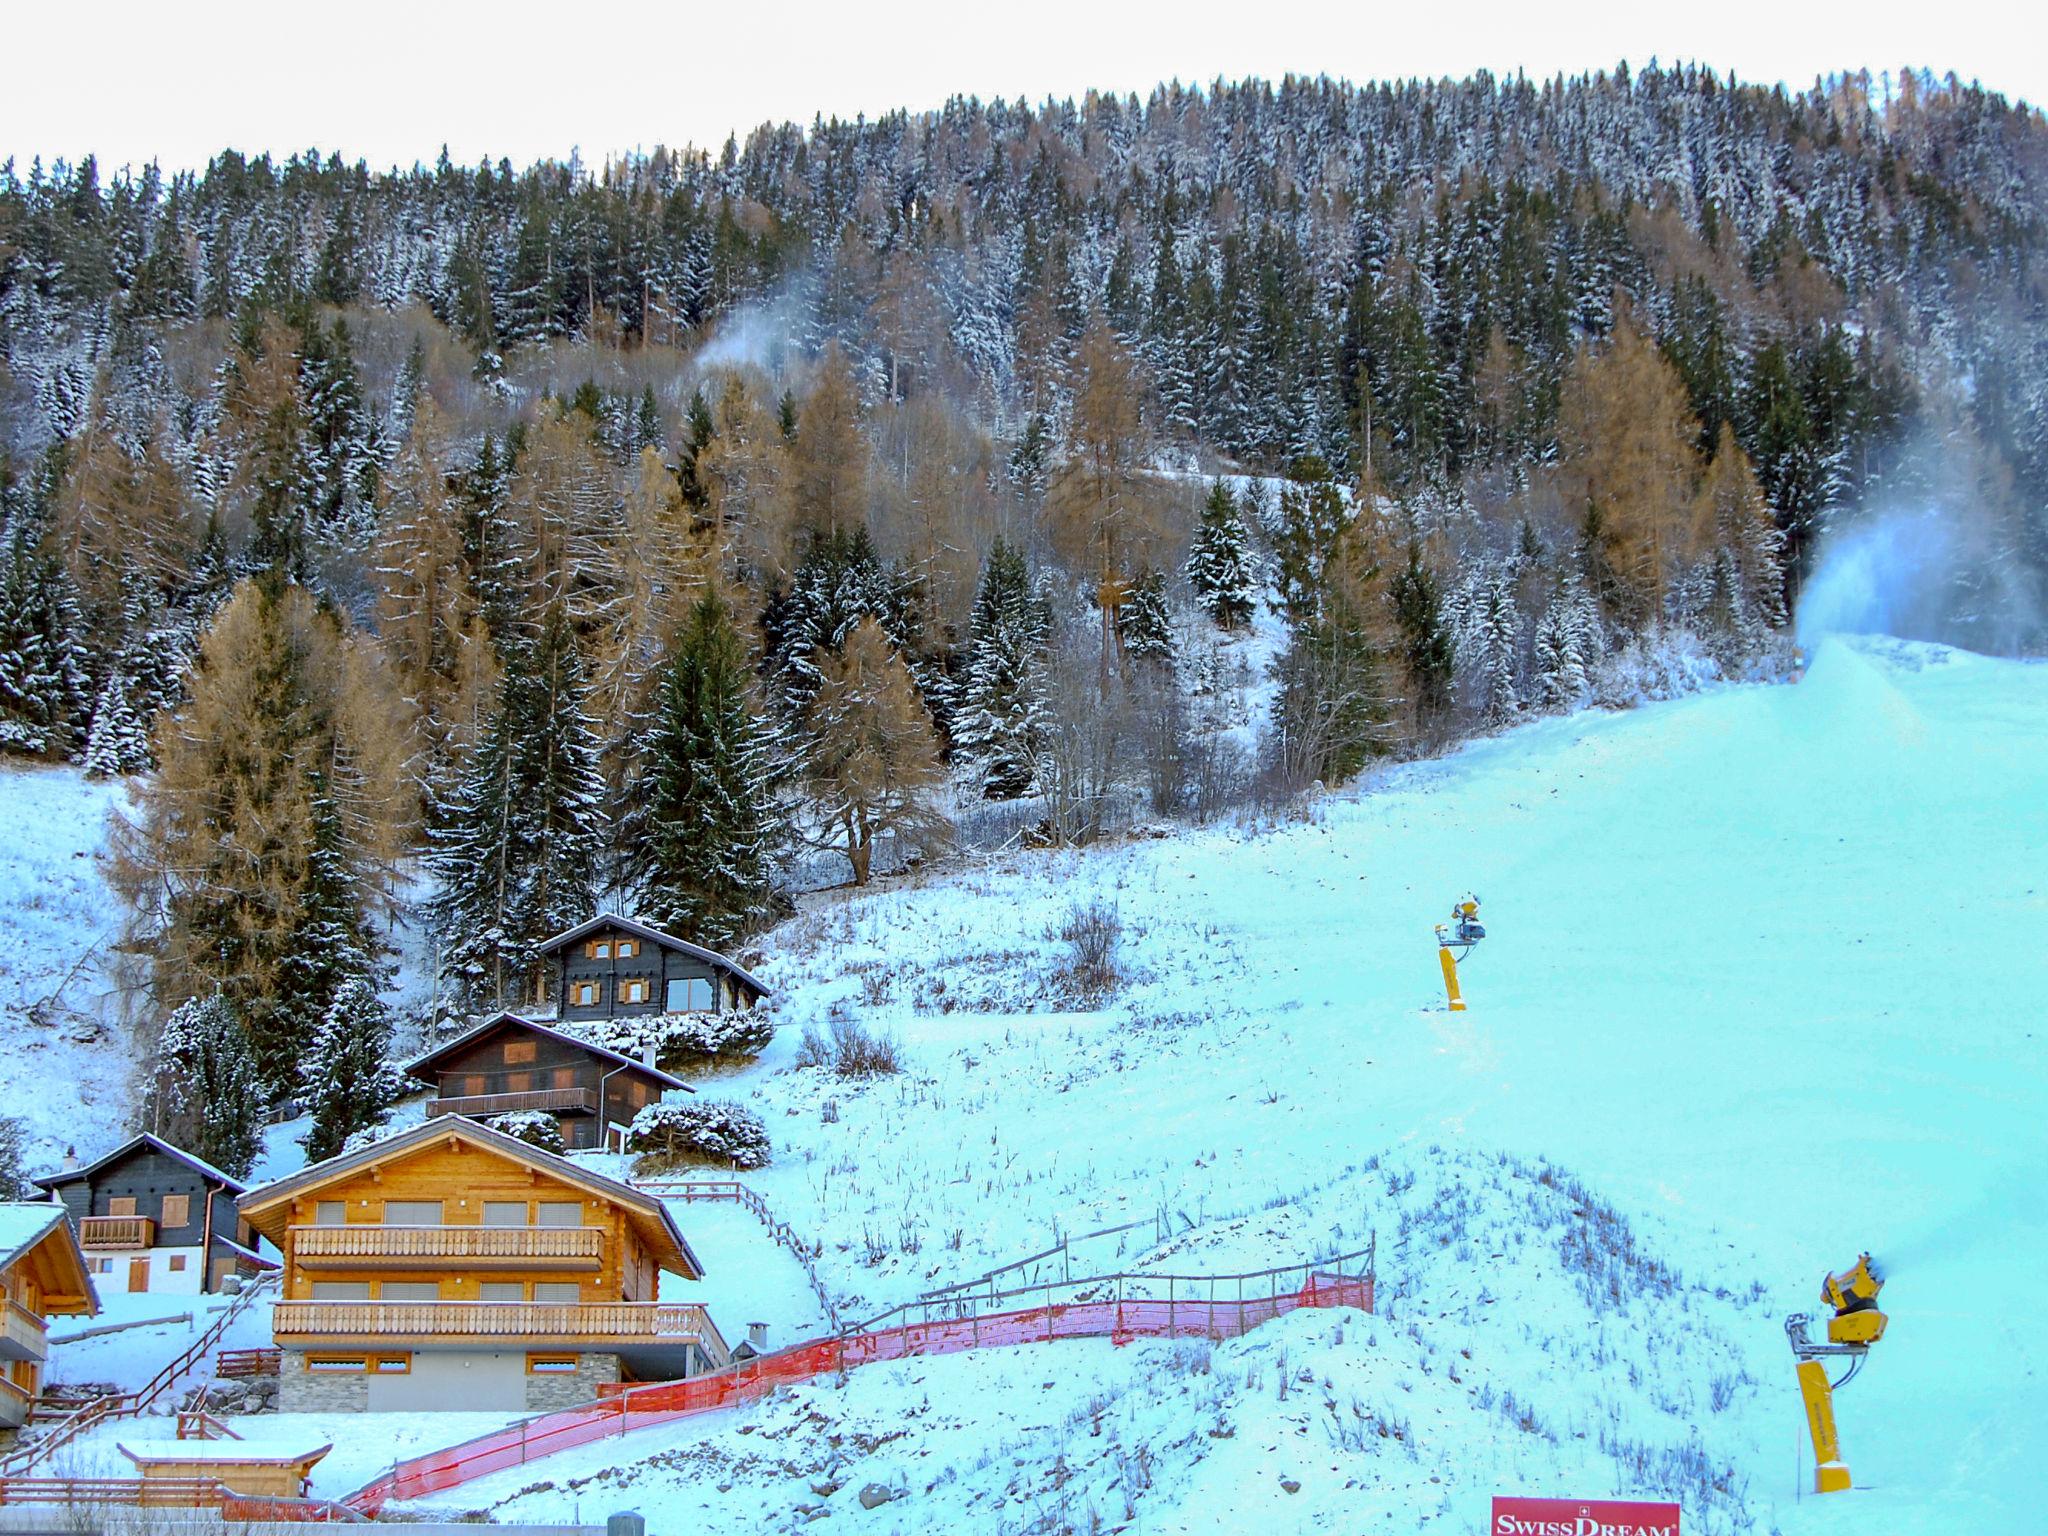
(634, 989)
(583, 994)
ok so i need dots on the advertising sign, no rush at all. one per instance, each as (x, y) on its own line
(1581, 1517)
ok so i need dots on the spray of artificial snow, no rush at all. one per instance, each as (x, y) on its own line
(1921, 573)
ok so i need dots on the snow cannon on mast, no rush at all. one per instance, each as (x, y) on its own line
(1460, 934)
(1856, 1325)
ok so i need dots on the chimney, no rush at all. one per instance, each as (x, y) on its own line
(70, 1159)
(757, 1335)
(647, 1053)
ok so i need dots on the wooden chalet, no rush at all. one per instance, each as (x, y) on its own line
(152, 1217)
(612, 967)
(511, 1063)
(42, 1275)
(452, 1266)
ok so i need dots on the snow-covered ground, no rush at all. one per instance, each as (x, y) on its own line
(1763, 975)
(1762, 990)
(127, 1359)
(59, 1027)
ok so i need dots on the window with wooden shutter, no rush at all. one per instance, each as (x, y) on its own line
(633, 990)
(518, 1082)
(584, 994)
(178, 1263)
(177, 1210)
(563, 1077)
(517, 1051)
(628, 948)
(121, 1205)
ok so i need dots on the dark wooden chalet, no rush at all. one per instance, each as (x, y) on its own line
(152, 1217)
(612, 967)
(511, 1063)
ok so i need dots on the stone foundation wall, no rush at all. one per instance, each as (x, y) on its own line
(546, 1392)
(302, 1391)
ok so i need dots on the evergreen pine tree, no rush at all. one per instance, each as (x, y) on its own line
(1002, 706)
(1567, 644)
(1219, 566)
(347, 1079)
(1427, 652)
(207, 1095)
(118, 743)
(43, 689)
(700, 844)
(1144, 624)
(518, 859)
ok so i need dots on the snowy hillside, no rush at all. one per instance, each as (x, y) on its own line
(1760, 975)
(63, 1061)
(1760, 992)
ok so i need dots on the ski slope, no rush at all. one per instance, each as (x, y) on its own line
(1764, 972)
(1762, 989)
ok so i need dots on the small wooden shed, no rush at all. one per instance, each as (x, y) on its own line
(262, 1472)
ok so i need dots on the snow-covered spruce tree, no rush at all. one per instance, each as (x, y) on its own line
(118, 743)
(518, 858)
(1219, 565)
(1496, 647)
(43, 689)
(330, 944)
(207, 1094)
(14, 1174)
(1143, 623)
(1002, 706)
(1567, 645)
(701, 838)
(1427, 653)
(348, 1081)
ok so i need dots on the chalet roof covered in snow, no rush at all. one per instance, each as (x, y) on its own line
(268, 1206)
(420, 1066)
(156, 1143)
(28, 1225)
(653, 936)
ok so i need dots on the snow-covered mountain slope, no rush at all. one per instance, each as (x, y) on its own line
(1764, 974)
(64, 1063)
(1762, 990)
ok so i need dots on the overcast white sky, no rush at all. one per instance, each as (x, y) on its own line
(391, 81)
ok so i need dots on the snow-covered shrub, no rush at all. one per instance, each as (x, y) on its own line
(715, 1130)
(1659, 664)
(534, 1127)
(848, 1049)
(680, 1039)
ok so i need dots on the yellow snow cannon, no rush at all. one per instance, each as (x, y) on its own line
(1856, 1325)
(1460, 933)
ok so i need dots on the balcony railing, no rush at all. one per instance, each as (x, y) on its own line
(364, 1246)
(387, 1321)
(116, 1232)
(22, 1335)
(573, 1101)
(14, 1405)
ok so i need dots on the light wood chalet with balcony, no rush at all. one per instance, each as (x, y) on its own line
(613, 968)
(152, 1217)
(511, 1063)
(42, 1275)
(452, 1266)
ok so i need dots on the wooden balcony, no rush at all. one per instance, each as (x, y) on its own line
(116, 1232)
(560, 1101)
(22, 1335)
(532, 1322)
(379, 1247)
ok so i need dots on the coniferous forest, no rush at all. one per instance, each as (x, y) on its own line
(698, 526)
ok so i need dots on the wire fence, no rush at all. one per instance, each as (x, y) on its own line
(1119, 1307)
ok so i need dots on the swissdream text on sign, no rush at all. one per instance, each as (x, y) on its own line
(1581, 1517)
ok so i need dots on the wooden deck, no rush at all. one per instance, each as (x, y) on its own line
(560, 1101)
(375, 1322)
(365, 1246)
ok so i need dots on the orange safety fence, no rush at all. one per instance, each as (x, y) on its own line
(1116, 1317)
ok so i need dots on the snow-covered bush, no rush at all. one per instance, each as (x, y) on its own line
(1091, 932)
(682, 1038)
(534, 1127)
(715, 1130)
(1660, 664)
(848, 1050)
